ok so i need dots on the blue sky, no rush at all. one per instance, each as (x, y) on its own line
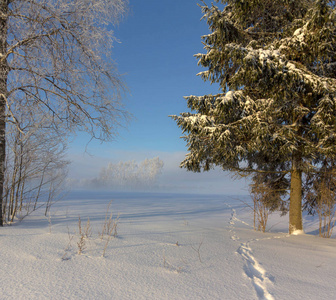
(155, 55)
(158, 41)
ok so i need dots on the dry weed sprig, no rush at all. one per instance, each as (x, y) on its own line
(68, 247)
(198, 250)
(108, 218)
(49, 222)
(105, 246)
(111, 231)
(88, 231)
(83, 234)
(79, 225)
(81, 244)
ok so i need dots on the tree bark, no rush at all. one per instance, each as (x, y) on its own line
(3, 95)
(295, 200)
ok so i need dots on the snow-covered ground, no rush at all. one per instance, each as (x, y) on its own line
(168, 247)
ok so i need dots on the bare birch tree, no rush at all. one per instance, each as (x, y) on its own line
(54, 62)
(34, 172)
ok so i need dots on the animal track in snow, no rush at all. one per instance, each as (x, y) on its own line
(259, 277)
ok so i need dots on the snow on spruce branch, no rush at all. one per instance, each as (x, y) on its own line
(272, 58)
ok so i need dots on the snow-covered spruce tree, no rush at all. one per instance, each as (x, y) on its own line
(275, 62)
(55, 63)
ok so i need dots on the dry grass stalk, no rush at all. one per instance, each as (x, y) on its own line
(88, 231)
(110, 227)
(111, 232)
(83, 235)
(105, 246)
(79, 225)
(49, 222)
(108, 218)
(68, 247)
(81, 244)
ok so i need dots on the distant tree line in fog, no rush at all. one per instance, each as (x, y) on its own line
(124, 175)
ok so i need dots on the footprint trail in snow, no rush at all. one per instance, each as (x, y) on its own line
(253, 270)
(231, 226)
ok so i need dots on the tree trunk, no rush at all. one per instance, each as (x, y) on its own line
(295, 201)
(3, 95)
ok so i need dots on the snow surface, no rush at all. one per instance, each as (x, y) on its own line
(168, 247)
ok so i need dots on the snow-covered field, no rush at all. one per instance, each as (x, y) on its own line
(168, 247)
